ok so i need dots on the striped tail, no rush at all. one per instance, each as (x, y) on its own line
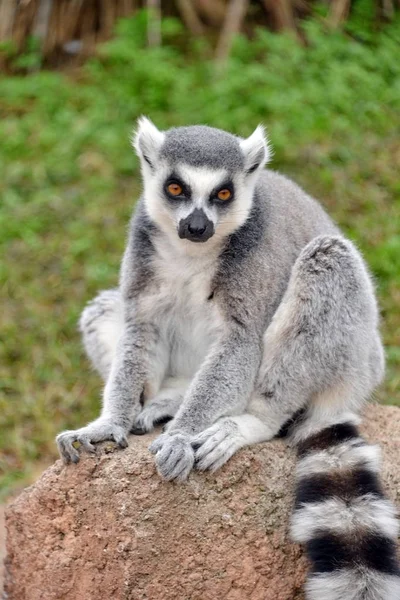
(342, 516)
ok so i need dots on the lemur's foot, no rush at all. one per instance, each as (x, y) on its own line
(174, 455)
(217, 444)
(98, 431)
(156, 413)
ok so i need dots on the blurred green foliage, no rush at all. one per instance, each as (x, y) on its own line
(68, 182)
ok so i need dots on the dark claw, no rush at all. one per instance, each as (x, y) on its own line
(196, 460)
(163, 420)
(122, 443)
(137, 430)
(196, 445)
(75, 459)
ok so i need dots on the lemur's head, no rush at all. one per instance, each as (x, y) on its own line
(199, 181)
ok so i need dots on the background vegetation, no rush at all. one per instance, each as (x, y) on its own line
(67, 31)
(69, 180)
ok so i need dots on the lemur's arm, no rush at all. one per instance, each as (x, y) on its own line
(224, 382)
(226, 379)
(133, 369)
(131, 374)
(221, 387)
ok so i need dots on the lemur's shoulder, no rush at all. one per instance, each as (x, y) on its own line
(292, 211)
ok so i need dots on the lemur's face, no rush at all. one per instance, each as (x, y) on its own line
(199, 181)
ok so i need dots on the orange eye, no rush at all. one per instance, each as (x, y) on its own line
(175, 189)
(224, 194)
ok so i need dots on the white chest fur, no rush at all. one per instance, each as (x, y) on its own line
(187, 319)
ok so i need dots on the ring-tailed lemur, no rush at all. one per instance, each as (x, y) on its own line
(243, 313)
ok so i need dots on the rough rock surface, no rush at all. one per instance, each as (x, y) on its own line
(109, 528)
(2, 545)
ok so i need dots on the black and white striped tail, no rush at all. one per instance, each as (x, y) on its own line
(342, 516)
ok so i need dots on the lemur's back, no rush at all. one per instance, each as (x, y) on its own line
(294, 216)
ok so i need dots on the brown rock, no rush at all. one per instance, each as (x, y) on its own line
(110, 528)
(2, 545)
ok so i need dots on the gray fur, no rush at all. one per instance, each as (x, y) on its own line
(275, 313)
(101, 324)
(200, 146)
(353, 584)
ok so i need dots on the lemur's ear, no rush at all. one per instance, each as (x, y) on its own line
(147, 141)
(256, 150)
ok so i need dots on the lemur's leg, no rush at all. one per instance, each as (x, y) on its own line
(322, 342)
(323, 355)
(163, 406)
(101, 325)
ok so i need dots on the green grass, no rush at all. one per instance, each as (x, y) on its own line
(69, 180)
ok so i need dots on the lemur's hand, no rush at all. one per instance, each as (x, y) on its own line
(98, 431)
(174, 455)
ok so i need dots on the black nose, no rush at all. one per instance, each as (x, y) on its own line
(197, 227)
